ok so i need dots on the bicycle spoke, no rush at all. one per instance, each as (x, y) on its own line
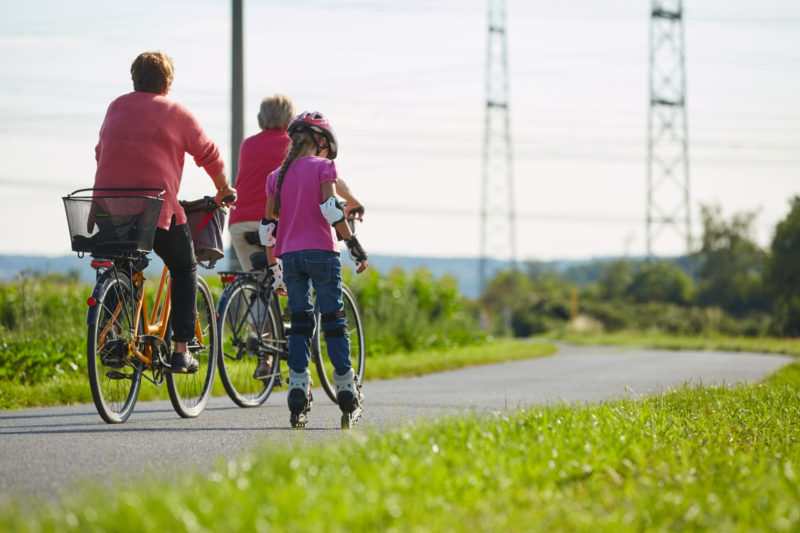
(114, 389)
(247, 330)
(189, 393)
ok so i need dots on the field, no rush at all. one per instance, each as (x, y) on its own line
(691, 459)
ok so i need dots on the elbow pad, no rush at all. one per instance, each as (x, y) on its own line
(268, 232)
(332, 210)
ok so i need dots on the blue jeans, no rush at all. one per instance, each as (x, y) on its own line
(323, 270)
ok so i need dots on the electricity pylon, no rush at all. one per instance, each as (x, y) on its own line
(667, 130)
(498, 219)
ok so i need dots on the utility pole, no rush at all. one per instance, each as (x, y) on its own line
(237, 103)
(237, 87)
(668, 203)
(498, 218)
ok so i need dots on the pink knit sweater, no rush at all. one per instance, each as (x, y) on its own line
(143, 140)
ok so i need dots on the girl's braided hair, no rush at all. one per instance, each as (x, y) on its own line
(301, 142)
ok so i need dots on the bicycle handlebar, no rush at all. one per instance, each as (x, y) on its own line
(357, 211)
(205, 203)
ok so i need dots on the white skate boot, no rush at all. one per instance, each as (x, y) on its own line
(300, 397)
(350, 398)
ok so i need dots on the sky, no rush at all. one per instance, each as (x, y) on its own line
(403, 82)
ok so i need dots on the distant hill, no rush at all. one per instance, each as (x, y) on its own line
(464, 269)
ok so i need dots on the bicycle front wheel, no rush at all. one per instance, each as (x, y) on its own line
(189, 393)
(114, 381)
(357, 348)
(249, 327)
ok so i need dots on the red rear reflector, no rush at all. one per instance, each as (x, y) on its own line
(216, 316)
(91, 302)
(101, 264)
(228, 279)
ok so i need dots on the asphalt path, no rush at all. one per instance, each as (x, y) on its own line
(48, 451)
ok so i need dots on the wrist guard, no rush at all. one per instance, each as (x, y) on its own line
(357, 253)
(277, 277)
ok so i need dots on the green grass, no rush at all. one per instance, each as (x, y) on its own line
(68, 389)
(428, 361)
(73, 387)
(692, 459)
(678, 342)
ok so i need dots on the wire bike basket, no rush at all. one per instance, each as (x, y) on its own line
(113, 219)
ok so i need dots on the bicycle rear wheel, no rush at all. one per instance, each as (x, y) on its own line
(244, 333)
(113, 380)
(357, 348)
(189, 393)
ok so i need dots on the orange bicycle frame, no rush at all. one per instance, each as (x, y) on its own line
(151, 322)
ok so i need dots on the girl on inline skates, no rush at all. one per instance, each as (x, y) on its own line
(301, 194)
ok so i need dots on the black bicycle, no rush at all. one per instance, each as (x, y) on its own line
(253, 327)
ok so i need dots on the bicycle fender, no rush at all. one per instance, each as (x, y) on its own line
(98, 286)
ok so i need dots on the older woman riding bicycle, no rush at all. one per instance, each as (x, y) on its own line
(143, 142)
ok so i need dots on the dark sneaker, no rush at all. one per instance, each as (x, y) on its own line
(264, 368)
(181, 363)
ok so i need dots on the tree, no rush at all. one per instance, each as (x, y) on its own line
(783, 271)
(661, 281)
(731, 265)
(525, 305)
(615, 280)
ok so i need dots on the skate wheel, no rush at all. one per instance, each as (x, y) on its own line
(298, 420)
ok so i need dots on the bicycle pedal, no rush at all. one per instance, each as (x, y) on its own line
(252, 345)
(118, 375)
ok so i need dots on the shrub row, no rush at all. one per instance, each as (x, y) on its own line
(43, 330)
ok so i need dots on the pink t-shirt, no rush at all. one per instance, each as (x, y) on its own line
(143, 141)
(258, 156)
(302, 226)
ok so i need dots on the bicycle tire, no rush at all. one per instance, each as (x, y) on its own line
(237, 323)
(355, 330)
(114, 382)
(189, 393)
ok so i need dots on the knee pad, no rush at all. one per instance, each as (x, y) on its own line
(302, 324)
(336, 331)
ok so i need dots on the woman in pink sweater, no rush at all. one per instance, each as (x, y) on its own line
(258, 156)
(143, 141)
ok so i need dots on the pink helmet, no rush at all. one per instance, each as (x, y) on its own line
(316, 122)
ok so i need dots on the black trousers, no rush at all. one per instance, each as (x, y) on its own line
(175, 248)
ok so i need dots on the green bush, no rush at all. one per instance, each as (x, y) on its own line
(404, 312)
(674, 319)
(43, 319)
(42, 326)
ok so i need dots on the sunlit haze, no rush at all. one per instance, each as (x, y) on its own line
(403, 83)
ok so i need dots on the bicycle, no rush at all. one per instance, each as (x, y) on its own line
(252, 326)
(126, 340)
